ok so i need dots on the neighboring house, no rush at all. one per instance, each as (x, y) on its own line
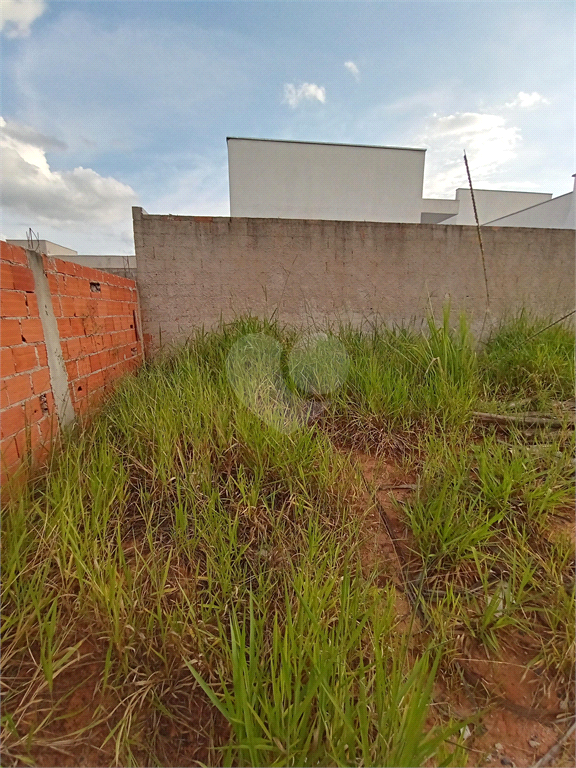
(492, 203)
(272, 178)
(125, 266)
(558, 213)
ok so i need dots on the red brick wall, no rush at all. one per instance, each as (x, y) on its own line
(97, 322)
(97, 316)
(27, 414)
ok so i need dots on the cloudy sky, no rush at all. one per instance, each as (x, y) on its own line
(117, 103)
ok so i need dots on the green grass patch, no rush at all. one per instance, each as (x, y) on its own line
(205, 552)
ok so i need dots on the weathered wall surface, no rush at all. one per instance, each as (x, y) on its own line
(192, 270)
(67, 332)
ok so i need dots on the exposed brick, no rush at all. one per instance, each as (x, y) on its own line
(13, 304)
(9, 452)
(10, 333)
(32, 330)
(81, 307)
(65, 267)
(88, 345)
(94, 381)
(42, 356)
(6, 280)
(12, 420)
(48, 426)
(13, 253)
(73, 348)
(33, 410)
(32, 302)
(95, 362)
(40, 381)
(81, 405)
(62, 285)
(23, 279)
(72, 370)
(40, 444)
(67, 305)
(77, 326)
(15, 389)
(24, 358)
(64, 328)
(7, 367)
(22, 438)
(81, 287)
(83, 366)
(53, 283)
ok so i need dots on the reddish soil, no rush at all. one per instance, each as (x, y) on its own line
(524, 718)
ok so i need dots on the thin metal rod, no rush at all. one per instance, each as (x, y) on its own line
(480, 241)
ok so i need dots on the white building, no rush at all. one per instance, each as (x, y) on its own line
(272, 178)
(558, 213)
(492, 203)
(309, 180)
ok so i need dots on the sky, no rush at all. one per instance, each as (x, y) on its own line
(116, 103)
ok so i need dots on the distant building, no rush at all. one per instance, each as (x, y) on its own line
(491, 203)
(558, 213)
(272, 178)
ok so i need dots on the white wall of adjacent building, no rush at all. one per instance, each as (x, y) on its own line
(558, 213)
(309, 180)
(492, 203)
(301, 180)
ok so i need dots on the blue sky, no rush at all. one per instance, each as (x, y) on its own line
(117, 103)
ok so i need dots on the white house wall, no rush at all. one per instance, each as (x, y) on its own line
(300, 180)
(557, 213)
(492, 204)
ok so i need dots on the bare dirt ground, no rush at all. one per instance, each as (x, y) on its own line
(523, 714)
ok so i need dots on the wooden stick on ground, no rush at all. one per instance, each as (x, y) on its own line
(529, 419)
(553, 751)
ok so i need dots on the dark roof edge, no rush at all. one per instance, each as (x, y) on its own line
(324, 143)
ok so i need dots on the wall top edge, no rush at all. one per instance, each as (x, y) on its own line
(333, 222)
(325, 143)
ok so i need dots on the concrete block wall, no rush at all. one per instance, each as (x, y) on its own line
(193, 270)
(67, 333)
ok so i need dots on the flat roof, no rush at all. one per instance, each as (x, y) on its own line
(514, 191)
(324, 143)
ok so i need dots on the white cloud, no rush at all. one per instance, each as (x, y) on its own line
(24, 134)
(33, 190)
(527, 100)
(351, 67)
(18, 16)
(489, 143)
(293, 96)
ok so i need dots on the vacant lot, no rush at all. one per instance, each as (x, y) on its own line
(279, 548)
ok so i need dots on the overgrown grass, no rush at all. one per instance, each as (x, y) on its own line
(209, 564)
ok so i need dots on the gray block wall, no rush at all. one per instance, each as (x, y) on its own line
(193, 270)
